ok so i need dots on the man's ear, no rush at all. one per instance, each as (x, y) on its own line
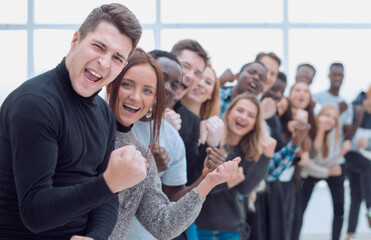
(75, 39)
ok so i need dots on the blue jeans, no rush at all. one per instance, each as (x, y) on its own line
(192, 232)
(217, 235)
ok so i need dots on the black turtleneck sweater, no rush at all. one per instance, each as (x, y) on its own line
(190, 133)
(54, 147)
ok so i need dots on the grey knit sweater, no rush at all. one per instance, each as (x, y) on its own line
(162, 218)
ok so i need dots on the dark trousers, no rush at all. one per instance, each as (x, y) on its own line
(336, 185)
(359, 175)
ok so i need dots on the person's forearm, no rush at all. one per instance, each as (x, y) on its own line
(102, 220)
(204, 187)
(48, 208)
(318, 141)
(183, 191)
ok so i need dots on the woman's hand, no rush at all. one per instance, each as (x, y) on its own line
(240, 177)
(345, 147)
(173, 118)
(334, 171)
(214, 127)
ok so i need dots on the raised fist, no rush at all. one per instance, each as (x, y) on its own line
(301, 130)
(173, 118)
(161, 157)
(268, 107)
(213, 159)
(126, 168)
(269, 144)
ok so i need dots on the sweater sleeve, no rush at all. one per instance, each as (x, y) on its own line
(32, 131)
(253, 175)
(102, 219)
(162, 218)
(275, 126)
(315, 170)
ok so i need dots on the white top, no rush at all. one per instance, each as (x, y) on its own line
(325, 97)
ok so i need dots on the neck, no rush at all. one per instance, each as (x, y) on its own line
(192, 106)
(233, 140)
(334, 92)
(234, 91)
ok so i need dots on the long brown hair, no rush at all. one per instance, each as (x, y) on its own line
(211, 107)
(138, 58)
(250, 144)
(326, 143)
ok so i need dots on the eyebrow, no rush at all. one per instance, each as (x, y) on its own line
(132, 81)
(105, 46)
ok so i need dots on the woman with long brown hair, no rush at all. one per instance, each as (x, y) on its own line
(137, 91)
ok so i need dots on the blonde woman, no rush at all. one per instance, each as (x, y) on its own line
(222, 214)
(324, 164)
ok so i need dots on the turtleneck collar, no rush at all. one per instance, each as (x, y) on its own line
(122, 128)
(63, 71)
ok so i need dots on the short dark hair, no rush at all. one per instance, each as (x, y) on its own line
(119, 16)
(270, 54)
(307, 65)
(192, 45)
(160, 53)
(336, 64)
(247, 64)
(282, 77)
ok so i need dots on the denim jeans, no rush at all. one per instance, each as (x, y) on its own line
(217, 235)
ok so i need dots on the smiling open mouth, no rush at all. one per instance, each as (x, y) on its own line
(92, 76)
(130, 108)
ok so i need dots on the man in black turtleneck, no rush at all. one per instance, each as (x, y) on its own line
(57, 135)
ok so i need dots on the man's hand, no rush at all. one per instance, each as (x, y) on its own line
(161, 157)
(301, 130)
(306, 144)
(343, 106)
(227, 76)
(268, 107)
(240, 177)
(126, 168)
(213, 159)
(173, 118)
(75, 237)
(345, 147)
(334, 171)
(214, 127)
(269, 144)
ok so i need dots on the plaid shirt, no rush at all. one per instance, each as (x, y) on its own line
(280, 161)
(225, 98)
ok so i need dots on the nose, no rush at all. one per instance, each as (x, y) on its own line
(135, 95)
(104, 60)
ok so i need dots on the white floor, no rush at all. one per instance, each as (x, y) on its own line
(318, 216)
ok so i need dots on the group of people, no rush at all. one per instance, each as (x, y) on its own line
(173, 151)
